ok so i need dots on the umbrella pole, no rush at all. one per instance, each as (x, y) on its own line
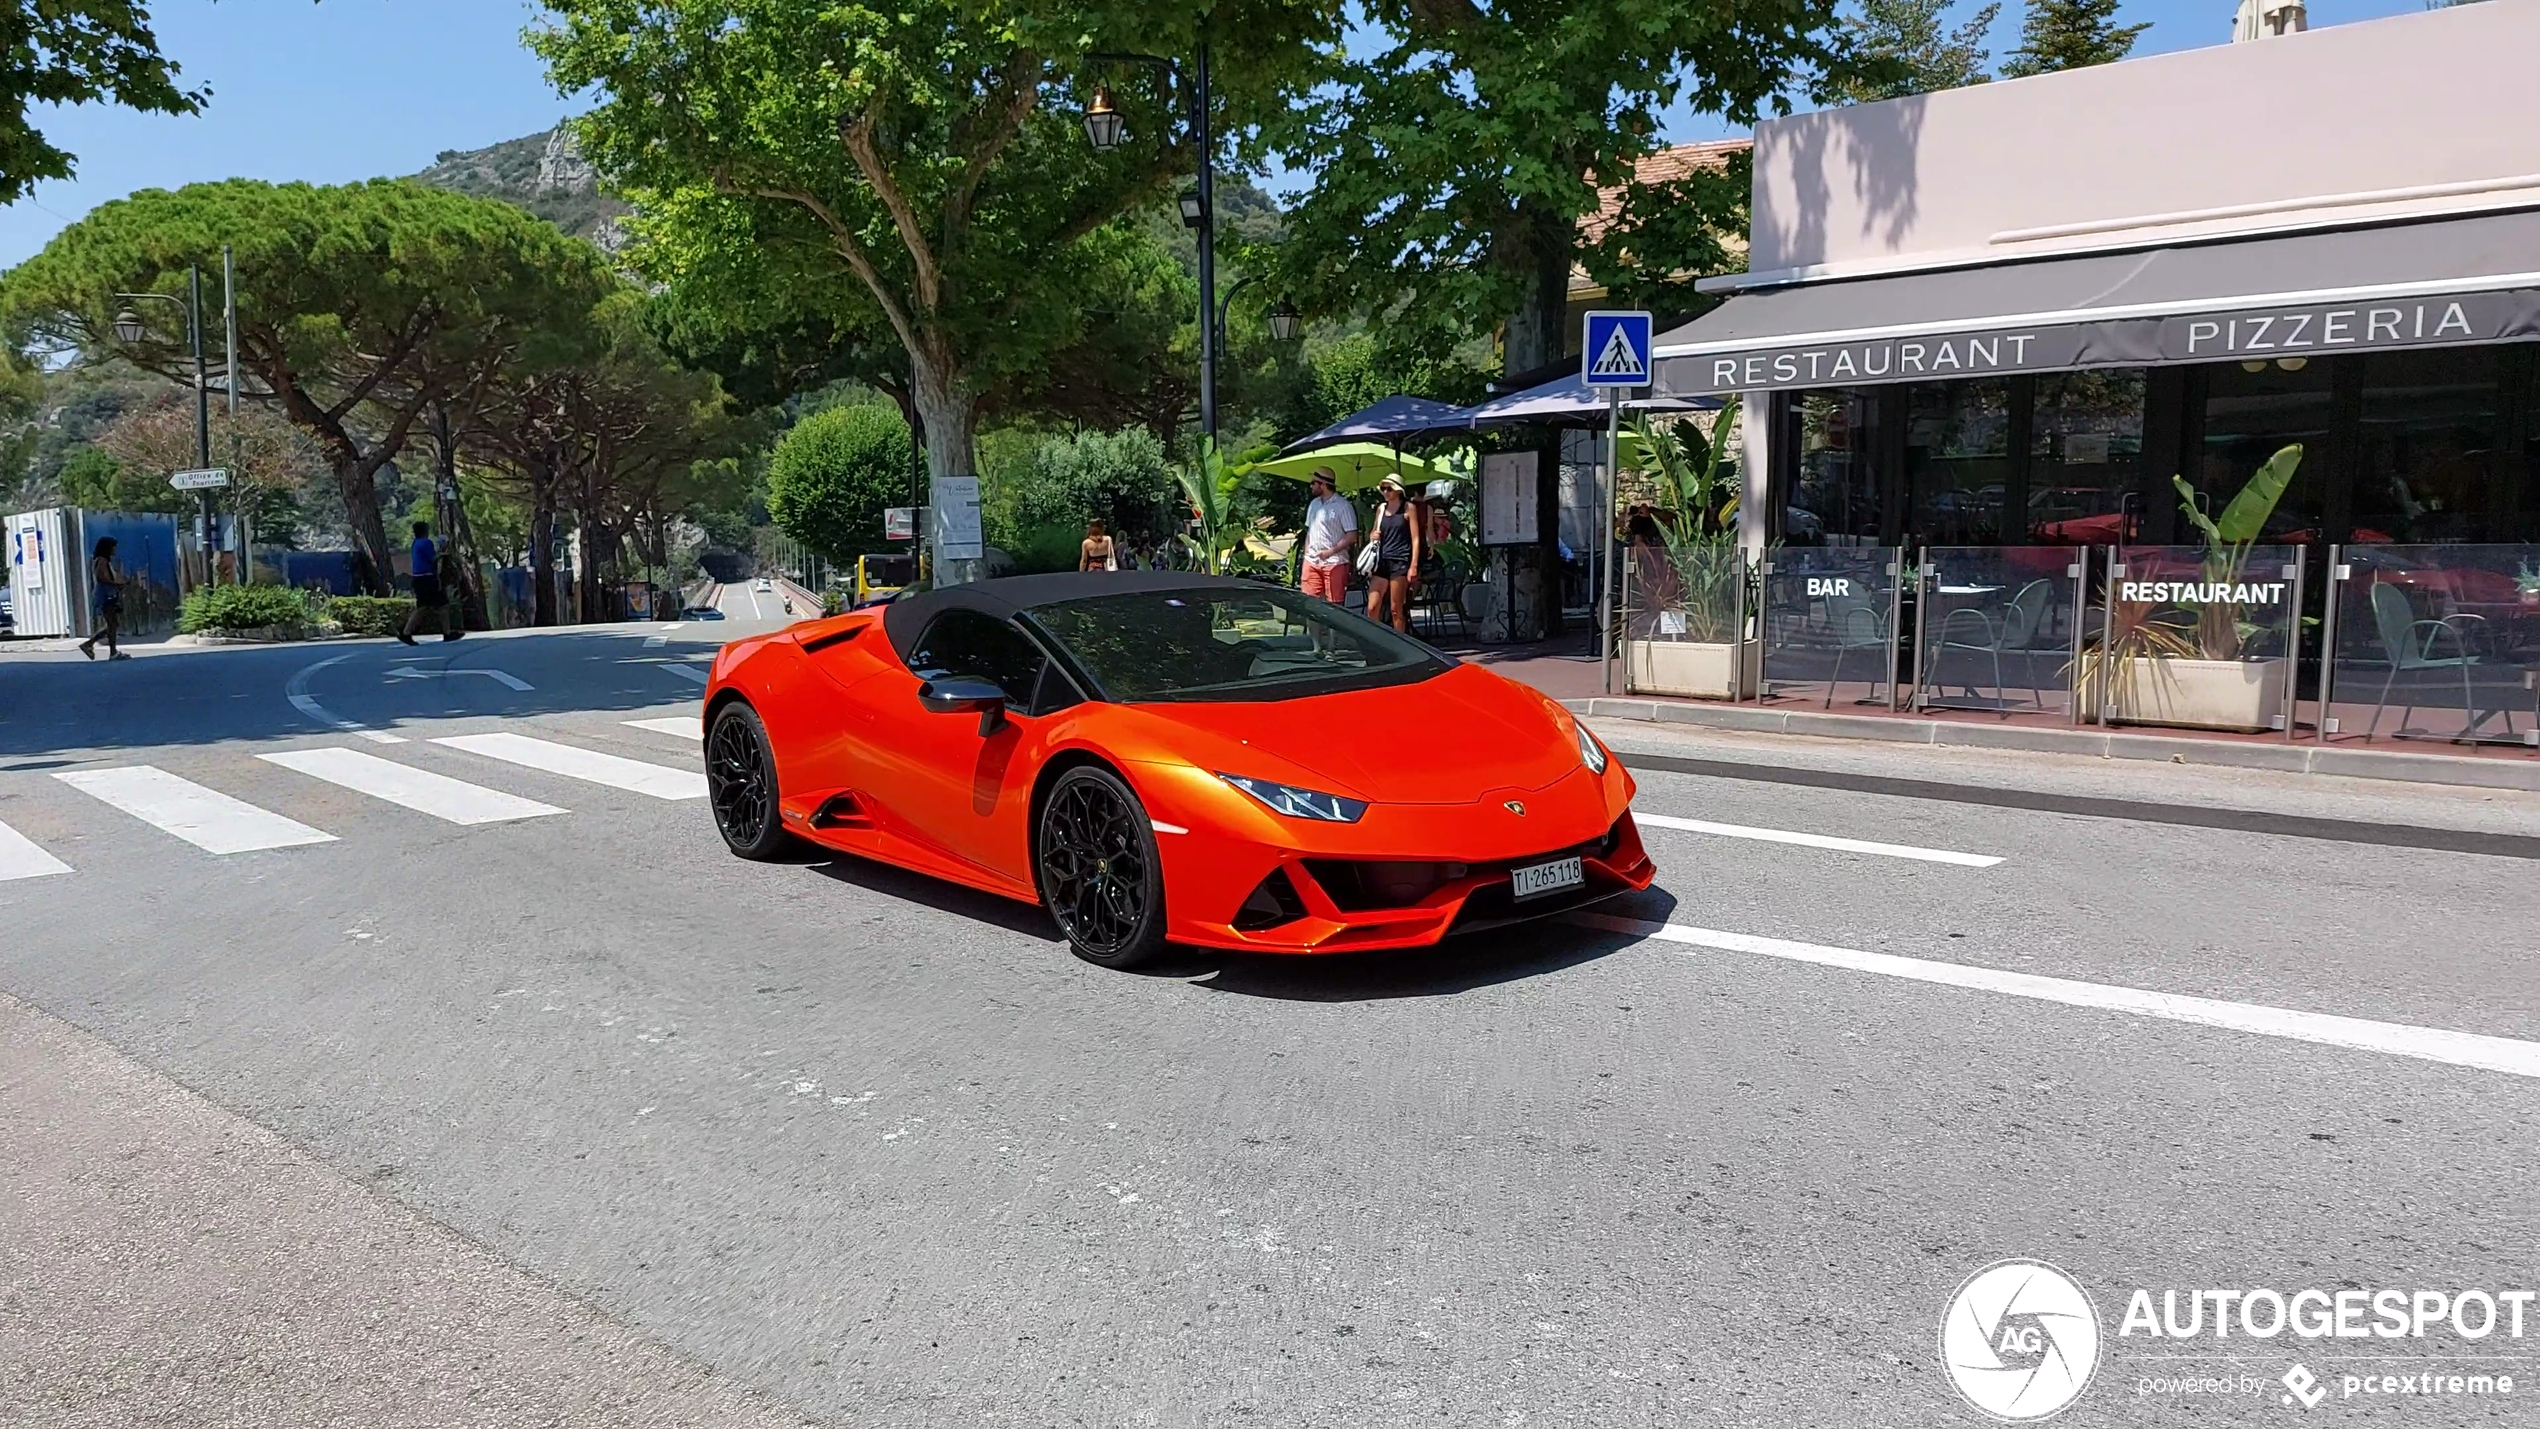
(1601, 563)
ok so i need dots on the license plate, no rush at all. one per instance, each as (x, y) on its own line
(1537, 879)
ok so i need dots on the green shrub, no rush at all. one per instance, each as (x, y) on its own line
(830, 478)
(242, 607)
(370, 614)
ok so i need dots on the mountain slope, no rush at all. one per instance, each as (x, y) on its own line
(543, 173)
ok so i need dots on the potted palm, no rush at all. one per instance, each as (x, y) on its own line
(1685, 632)
(2182, 647)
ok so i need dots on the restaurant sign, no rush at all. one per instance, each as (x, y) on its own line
(2221, 335)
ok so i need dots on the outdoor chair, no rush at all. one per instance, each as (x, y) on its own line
(1980, 633)
(1441, 600)
(2409, 651)
(1857, 621)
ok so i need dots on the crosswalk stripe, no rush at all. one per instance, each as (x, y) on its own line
(690, 672)
(1828, 841)
(633, 775)
(684, 726)
(421, 790)
(206, 818)
(21, 858)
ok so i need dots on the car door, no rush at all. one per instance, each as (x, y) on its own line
(965, 793)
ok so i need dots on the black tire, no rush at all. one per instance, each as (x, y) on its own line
(1096, 866)
(741, 784)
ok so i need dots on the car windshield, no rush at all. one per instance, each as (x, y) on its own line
(1200, 644)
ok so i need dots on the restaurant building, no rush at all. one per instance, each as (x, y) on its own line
(2008, 316)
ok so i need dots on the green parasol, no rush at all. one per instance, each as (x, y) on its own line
(1356, 466)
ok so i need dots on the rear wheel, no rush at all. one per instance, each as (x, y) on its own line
(741, 783)
(1099, 874)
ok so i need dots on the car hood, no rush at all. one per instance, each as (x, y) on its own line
(1449, 740)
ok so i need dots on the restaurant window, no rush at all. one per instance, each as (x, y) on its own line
(1957, 461)
(2427, 446)
(2251, 410)
(2085, 477)
(1835, 498)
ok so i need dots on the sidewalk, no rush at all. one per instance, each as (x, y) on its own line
(166, 1263)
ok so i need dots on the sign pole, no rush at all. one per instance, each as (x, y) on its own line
(1605, 536)
(1616, 351)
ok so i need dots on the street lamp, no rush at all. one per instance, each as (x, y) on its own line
(1285, 321)
(1104, 125)
(130, 330)
(1192, 214)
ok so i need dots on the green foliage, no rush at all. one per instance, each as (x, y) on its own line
(1906, 51)
(1120, 478)
(2070, 34)
(1209, 490)
(67, 52)
(92, 478)
(2220, 632)
(831, 476)
(243, 607)
(1455, 149)
(369, 614)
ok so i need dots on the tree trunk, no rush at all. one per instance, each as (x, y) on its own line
(1536, 248)
(353, 481)
(542, 552)
(949, 414)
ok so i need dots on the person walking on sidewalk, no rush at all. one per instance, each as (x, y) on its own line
(106, 589)
(1331, 531)
(1399, 546)
(430, 596)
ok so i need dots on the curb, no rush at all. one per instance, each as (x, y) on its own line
(2281, 758)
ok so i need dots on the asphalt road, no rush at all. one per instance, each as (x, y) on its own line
(852, 1148)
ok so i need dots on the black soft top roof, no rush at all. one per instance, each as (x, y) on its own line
(903, 620)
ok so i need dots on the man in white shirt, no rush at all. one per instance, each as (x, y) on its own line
(1331, 533)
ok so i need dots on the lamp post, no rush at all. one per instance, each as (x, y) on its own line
(130, 330)
(1105, 129)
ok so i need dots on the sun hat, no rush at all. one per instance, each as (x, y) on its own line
(1324, 475)
(1390, 483)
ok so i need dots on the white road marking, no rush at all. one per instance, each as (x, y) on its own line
(632, 775)
(684, 726)
(755, 612)
(652, 642)
(411, 672)
(690, 672)
(20, 857)
(298, 693)
(2432, 1044)
(454, 800)
(206, 818)
(1786, 836)
(671, 626)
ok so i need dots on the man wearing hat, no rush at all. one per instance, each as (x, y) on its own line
(1331, 534)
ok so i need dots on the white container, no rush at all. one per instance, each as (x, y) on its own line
(1685, 667)
(48, 589)
(2204, 694)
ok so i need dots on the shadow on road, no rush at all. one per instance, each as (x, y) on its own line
(1026, 919)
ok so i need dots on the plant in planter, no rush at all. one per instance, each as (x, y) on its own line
(2185, 658)
(1689, 584)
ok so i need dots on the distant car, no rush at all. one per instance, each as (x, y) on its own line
(8, 615)
(701, 612)
(762, 584)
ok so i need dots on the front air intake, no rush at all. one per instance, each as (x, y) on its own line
(1272, 903)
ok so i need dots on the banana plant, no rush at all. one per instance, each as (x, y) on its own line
(2220, 632)
(1696, 499)
(1208, 488)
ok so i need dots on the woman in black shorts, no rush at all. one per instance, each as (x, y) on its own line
(1398, 550)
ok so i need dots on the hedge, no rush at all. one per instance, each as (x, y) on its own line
(242, 607)
(370, 614)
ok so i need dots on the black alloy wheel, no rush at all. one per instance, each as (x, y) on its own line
(1099, 874)
(741, 783)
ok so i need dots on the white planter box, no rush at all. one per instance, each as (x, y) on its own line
(2203, 694)
(1681, 667)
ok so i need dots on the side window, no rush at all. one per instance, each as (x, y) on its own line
(1057, 691)
(965, 642)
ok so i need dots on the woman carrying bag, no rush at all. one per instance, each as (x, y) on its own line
(1395, 552)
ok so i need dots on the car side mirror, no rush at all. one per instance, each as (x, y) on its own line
(961, 694)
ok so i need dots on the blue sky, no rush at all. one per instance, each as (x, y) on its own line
(351, 89)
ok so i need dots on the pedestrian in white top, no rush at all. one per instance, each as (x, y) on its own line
(1331, 534)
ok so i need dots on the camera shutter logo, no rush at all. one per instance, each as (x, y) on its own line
(2020, 1340)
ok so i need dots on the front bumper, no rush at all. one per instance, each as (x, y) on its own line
(1223, 887)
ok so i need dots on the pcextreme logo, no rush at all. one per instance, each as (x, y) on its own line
(2020, 1340)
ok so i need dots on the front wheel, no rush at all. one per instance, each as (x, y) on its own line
(1098, 871)
(741, 784)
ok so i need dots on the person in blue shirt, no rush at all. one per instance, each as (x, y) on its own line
(430, 597)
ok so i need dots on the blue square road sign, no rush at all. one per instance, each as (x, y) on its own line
(1616, 353)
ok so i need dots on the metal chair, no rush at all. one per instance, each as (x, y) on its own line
(2019, 624)
(1858, 621)
(2395, 621)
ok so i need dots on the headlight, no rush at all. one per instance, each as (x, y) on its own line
(1591, 753)
(1299, 803)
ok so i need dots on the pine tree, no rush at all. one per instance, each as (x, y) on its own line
(2070, 34)
(1920, 57)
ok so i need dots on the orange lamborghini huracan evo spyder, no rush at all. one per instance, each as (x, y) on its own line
(1161, 757)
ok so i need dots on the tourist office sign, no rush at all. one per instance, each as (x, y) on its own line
(2118, 340)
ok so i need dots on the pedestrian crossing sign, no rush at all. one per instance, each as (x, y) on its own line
(1617, 349)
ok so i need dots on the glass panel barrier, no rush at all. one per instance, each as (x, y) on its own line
(2435, 642)
(1685, 626)
(2198, 639)
(1829, 624)
(1996, 627)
